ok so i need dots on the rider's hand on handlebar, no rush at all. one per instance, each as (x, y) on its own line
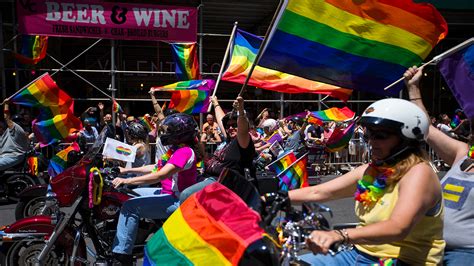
(320, 241)
(117, 182)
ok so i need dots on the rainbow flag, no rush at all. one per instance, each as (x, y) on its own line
(455, 121)
(212, 227)
(339, 138)
(186, 60)
(58, 162)
(294, 175)
(56, 119)
(244, 51)
(334, 114)
(145, 121)
(458, 71)
(33, 49)
(360, 45)
(191, 97)
(282, 163)
(116, 107)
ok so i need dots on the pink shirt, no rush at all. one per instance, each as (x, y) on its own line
(184, 159)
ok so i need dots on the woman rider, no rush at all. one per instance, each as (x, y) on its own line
(180, 131)
(397, 195)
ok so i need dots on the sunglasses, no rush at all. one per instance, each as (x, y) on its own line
(378, 134)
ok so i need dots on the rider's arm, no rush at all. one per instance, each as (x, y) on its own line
(166, 171)
(338, 188)
(411, 206)
(6, 115)
(447, 148)
(139, 170)
(243, 136)
(156, 106)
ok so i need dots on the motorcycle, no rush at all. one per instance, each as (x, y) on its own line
(57, 236)
(15, 180)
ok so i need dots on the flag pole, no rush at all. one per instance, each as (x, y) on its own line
(438, 58)
(227, 51)
(24, 87)
(262, 45)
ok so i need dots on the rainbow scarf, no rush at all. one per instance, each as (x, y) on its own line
(292, 172)
(33, 49)
(56, 119)
(186, 60)
(339, 138)
(116, 107)
(58, 162)
(373, 184)
(190, 97)
(360, 45)
(212, 227)
(244, 51)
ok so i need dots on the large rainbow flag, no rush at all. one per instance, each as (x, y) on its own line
(332, 114)
(212, 227)
(244, 51)
(58, 163)
(56, 119)
(191, 96)
(339, 138)
(361, 45)
(186, 60)
(33, 49)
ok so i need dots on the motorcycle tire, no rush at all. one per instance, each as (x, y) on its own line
(16, 183)
(24, 253)
(27, 207)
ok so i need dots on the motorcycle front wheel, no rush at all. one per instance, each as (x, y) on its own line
(27, 207)
(24, 253)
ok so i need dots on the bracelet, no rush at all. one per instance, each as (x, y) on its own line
(342, 235)
(414, 99)
(347, 239)
(216, 105)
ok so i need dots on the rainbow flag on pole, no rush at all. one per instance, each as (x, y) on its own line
(33, 49)
(360, 45)
(244, 51)
(212, 227)
(186, 60)
(191, 97)
(116, 107)
(56, 119)
(292, 172)
(339, 138)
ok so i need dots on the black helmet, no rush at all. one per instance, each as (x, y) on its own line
(169, 112)
(179, 128)
(297, 120)
(137, 131)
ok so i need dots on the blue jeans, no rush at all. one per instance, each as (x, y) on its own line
(351, 257)
(151, 204)
(458, 256)
(195, 188)
(7, 162)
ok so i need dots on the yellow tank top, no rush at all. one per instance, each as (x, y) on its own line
(424, 245)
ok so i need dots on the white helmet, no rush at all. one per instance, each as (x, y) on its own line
(270, 123)
(400, 115)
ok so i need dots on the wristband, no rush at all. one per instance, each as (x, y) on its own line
(414, 99)
(216, 105)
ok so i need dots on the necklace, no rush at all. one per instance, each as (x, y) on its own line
(164, 158)
(373, 184)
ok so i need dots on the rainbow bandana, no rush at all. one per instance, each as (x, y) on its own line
(373, 184)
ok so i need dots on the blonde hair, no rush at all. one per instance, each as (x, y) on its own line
(419, 155)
